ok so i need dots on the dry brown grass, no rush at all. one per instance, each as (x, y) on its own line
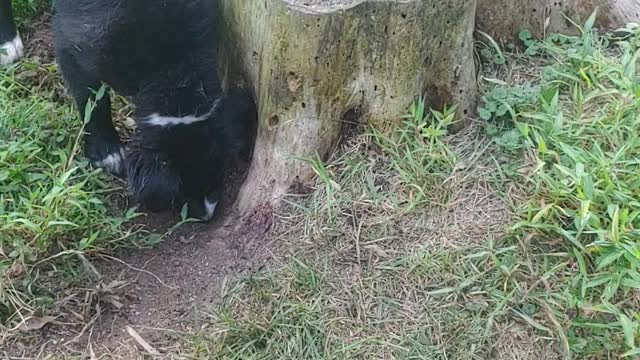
(519, 343)
(366, 276)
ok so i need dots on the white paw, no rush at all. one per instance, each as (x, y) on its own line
(11, 51)
(113, 163)
(210, 208)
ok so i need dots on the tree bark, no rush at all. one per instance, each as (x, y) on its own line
(504, 19)
(314, 64)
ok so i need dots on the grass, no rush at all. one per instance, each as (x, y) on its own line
(24, 11)
(56, 212)
(578, 135)
(381, 267)
(517, 239)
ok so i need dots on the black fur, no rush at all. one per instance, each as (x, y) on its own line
(8, 33)
(7, 25)
(161, 54)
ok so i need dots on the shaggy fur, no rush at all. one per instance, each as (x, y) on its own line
(11, 48)
(161, 54)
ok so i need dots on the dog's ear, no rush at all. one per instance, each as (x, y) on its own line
(234, 122)
(153, 180)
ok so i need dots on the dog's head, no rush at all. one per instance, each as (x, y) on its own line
(173, 161)
(169, 167)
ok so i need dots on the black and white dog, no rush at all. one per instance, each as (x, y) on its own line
(162, 55)
(11, 48)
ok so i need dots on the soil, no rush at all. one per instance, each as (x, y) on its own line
(161, 292)
(39, 41)
(182, 280)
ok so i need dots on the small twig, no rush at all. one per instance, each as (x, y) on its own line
(90, 345)
(60, 254)
(358, 225)
(42, 348)
(140, 270)
(162, 330)
(145, 345)
(84, 328)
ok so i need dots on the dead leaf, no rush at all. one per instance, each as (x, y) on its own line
(35, 323)
(16, 270)
(377, 250)
(112, 287)
(113, 300)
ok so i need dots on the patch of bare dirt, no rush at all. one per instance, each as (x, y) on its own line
(38, 41)
(160, 293)
(182, 278)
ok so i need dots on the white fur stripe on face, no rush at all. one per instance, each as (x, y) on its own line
(210, 208)
(13, 50)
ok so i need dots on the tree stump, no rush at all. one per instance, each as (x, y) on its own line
(315, 64)
(503, 19)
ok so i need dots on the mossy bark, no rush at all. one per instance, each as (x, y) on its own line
(312, 66)
(504, 19)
